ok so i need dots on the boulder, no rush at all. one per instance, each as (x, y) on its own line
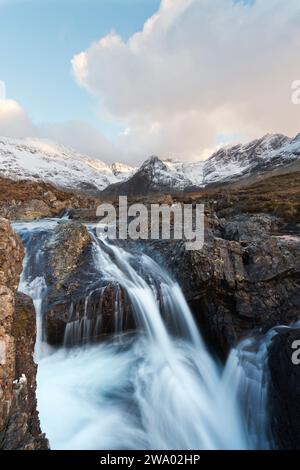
(19, 422)
(79, 298)
(65, 252)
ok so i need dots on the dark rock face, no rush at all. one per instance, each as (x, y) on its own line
(237, 285)
(257, 227)
(284, 390)
(65, 252)
(89, 316)
(19, 423)
(80, 301)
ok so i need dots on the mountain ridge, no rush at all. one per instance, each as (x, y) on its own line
(33, 159)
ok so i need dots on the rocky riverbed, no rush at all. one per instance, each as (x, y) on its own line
(244, 282)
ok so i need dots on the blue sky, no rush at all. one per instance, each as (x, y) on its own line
(201, 73)
(38, 39)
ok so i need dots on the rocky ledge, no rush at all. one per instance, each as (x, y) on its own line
(19, 422)
(30, 200)
(245, 279)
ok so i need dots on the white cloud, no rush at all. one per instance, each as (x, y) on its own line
(198, 69)
(83, 137)
(15, 122)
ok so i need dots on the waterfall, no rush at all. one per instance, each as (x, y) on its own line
(157, 389)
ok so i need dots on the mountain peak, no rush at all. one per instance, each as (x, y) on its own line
(154, 160)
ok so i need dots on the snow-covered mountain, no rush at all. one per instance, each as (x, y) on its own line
(153, 176)
(231, 162)
(228, 164)
(40, 160)
(67, 169)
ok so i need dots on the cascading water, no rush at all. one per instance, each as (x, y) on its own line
(158, 389)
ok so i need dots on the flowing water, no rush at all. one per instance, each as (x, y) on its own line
(158, 389)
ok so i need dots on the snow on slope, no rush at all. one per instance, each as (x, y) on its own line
(154, 176)
(190, 172)
(232, 162)
(65, 168)
(166, 173)
(236, 161)
(239, 160)
(227, 164)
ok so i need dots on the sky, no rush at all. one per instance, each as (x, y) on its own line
(125, 79)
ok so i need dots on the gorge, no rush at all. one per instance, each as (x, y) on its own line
(124, 368)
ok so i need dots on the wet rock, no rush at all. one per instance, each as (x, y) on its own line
(11, 256)
(83, 214)
(19, 423)
(66, 252)
(79, 297)
(240, 285)
(90, 317)
(284, 390)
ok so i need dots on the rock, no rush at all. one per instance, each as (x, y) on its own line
(255, 227)
(65, 252)
(89, 316)
(237, 286)
(83, 214)
(284, 390)
(78, 295)
(11, 256)
(31, 210)
(27, 200)
(19, 423)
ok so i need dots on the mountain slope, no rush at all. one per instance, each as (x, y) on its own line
(64, 168)
(38, 160)
(244, 159)
(154, 176)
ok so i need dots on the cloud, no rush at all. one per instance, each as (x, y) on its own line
(14, 122)
(79, 135)
(83, 137)
(198, 69)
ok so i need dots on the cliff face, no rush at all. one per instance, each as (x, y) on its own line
(245, 279)
(19, 423)
(284, 390)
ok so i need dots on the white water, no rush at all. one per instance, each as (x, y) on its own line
(159, 390)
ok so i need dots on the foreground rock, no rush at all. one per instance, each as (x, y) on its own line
(284, 390)
(81, 304)
(19, 423)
